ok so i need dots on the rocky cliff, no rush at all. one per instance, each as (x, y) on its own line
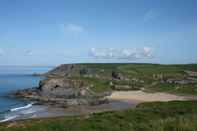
(63, 92)
(61, 88)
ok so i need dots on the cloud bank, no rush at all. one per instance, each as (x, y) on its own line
(124, 54)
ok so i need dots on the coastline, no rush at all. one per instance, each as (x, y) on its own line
(74, 90)
(118, 100)
(46, 111)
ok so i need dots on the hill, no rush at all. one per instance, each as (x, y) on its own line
(180, 79)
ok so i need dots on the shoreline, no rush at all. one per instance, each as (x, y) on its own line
(118, 100)
(48, 111)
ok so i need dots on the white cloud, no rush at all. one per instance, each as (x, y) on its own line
(126, 54)
(1, 52)
(149, 15)
(73, 28)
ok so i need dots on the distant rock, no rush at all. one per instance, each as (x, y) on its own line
(62, 70)
(83, 71)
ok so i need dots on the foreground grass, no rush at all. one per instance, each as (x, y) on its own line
(156, 116)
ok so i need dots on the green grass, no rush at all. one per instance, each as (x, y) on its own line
(99, 86)
(157, 116)
(178, 89)
(141, 72)
(96, 85)
(144, 72)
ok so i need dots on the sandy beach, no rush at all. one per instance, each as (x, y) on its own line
(140, 96)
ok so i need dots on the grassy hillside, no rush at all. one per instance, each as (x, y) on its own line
(180, 79)
(157, 116)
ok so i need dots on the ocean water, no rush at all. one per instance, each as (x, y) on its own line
(13, 78)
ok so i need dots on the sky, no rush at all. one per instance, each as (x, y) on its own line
(52, 32)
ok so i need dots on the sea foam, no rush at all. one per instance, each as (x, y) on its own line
(23, 107)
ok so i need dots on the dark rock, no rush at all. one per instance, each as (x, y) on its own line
(83, 71)
(116, 75)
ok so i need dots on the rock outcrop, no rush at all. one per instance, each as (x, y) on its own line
(63, 92)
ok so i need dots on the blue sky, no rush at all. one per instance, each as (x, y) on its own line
(51, 32)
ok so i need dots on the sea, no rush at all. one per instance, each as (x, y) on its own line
(13, 78)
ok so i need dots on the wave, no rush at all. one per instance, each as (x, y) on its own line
(19, 113)
(9, 118)
(23, 107)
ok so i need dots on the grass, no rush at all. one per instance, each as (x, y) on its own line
(96, 85)
(142, 72)
(178, 89)
(156, 116)
(99, 85)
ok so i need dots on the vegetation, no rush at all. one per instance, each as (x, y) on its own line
(156, 116)
(96, 85)
(149, 77)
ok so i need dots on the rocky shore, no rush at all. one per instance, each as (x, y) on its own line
(63, 92)
(60, 88)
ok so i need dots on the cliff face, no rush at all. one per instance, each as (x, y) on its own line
(65, 88)
(62, 70)
(64, 92)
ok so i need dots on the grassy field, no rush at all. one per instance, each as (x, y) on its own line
(157, 116)
(139, 76)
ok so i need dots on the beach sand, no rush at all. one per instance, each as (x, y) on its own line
(140, 96)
